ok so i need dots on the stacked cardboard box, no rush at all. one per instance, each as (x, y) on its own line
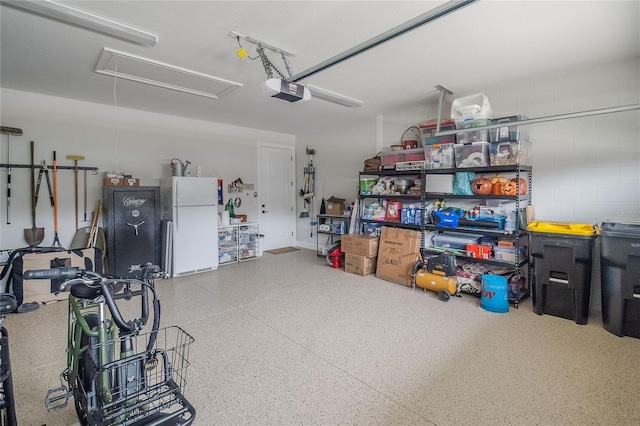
(360, 253)
(399, 250)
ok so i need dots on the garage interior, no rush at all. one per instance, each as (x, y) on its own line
(287, 339)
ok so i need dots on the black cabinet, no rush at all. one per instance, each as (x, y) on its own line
(132, 227)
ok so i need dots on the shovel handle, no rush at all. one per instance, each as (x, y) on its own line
(55, 194)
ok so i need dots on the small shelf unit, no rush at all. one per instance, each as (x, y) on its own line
(238, 242)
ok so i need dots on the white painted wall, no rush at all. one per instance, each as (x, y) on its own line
(585, 170)
(134, 142)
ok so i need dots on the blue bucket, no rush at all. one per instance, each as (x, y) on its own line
(494, 296)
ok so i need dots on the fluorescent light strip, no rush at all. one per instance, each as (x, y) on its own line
(143, 70)
(87, 20)
(334, 97)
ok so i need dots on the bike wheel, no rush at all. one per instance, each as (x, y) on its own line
(8, 410)
(84, 379)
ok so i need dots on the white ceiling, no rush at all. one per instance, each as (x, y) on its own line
(483, 44)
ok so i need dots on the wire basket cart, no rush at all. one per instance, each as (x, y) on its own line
(144, 382)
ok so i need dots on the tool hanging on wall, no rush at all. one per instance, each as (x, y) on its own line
(33, 236)
(311, 171)
(9, 131)
(75, 159)
(44, 170)
(84, 186)
(56, 239)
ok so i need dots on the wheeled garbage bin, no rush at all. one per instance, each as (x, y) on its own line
(562, 258)
(620, 271)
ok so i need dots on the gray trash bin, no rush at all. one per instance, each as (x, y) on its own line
(620, 270)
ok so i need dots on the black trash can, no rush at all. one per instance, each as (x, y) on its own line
(620, 270)
(562, 255)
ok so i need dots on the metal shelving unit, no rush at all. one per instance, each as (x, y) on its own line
(327, 219)
(426, 197)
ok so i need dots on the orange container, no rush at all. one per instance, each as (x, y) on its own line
(478, 251)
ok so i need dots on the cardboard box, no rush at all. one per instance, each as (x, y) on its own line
(361, 245)
(359, 265)
(44, 291)
(398, 251)
(335, 206)
(112, 182)
(131, 182)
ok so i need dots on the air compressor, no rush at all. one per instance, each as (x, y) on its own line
(437, 274)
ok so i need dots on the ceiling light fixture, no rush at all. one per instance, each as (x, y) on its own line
(334, 97)
(143, 70)
(83, 19)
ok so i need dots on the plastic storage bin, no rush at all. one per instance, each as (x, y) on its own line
(472, 106)
(366, 184)
(508, 254)
(439, 156)
(510, 153)
(372, 229)
(509, 133)
(562, 258)
(428, 130)
(457, 241)
(475, 136)
(390, 158)
(474, 154)
(620, 268)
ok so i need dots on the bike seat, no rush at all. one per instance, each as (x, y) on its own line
(8, 303)
(85, 292)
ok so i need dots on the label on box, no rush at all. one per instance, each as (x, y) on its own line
(112, 182)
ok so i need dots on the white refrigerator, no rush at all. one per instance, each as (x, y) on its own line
(190, 210)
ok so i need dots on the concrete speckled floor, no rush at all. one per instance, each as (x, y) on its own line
(287, 340)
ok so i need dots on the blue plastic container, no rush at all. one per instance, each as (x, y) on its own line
(495, 294)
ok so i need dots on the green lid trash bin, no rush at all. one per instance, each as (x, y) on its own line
(562, 255)
(620, 271)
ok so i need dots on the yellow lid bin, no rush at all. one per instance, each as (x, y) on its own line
(578, 229)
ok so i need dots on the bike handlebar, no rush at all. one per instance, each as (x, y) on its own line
(76, 276)
(65, 274)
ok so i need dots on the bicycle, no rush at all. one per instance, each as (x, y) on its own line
(8, 304)
(131, 378)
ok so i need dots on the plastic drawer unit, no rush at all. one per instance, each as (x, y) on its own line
(561, 259)
(620, 269)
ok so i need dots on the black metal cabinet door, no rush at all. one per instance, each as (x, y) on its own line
(133, 227)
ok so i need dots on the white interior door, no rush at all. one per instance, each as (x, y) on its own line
(276, 196)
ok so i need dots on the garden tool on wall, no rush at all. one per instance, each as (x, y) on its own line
(312, 169)
(9, 131)
(56, 239)
(75, 159)
(34, 235)
(303, 193)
